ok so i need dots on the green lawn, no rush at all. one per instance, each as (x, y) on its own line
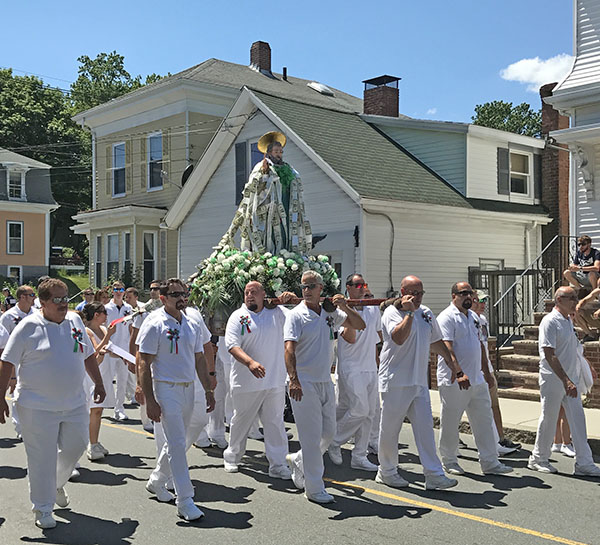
(75, 283)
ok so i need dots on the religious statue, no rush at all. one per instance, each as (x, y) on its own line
(271, 215)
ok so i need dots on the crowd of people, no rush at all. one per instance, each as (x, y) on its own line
(63, 368)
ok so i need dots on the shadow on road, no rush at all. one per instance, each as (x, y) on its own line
(9, 442)
(215, 518)
(86, 530)
(11, 472)
(125, 460)
(211, 492)
(107, 478)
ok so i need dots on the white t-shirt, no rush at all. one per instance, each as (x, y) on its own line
(173, 344)
(463, 331)
(484, 335)
(3, 337)
(260, 335)
(49, 359)
(407, 364)
(558, 332)
(314, 336)
(11, 318)
(194, 315)
(360, 355)
(121, 335)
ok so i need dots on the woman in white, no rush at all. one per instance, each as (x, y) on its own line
(94, 317)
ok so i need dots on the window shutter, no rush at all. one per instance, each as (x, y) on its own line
(166, 157)
(143, 163)
(537, 176)
(128, 168)
(241, 172)
(108, 171)
(503, 171)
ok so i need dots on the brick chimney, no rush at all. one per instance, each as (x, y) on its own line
(381, 96)
(260, 57)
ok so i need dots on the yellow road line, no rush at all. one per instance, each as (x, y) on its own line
(127, 428)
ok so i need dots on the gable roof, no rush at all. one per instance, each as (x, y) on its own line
(7, 156)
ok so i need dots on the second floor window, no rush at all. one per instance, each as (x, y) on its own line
(15, 237)
(118, 169)
(16, 185)
(519, 173)
(155, 155)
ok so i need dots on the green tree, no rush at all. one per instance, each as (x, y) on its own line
(520, 119)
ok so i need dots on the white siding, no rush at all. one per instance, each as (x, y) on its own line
(329, 209)
(586, 115)
(588, 212)
(443, 152)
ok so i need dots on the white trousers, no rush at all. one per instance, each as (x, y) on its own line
(247, 406)
(54, 441)
(176, 402)
(358, 394)
(217, 417)
(122, 378)
(15, 418)
(553, 395)
(374, 438)
(476, 402)
(414, 402)
(316, 425)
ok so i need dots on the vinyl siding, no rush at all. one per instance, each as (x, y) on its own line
(588, 212)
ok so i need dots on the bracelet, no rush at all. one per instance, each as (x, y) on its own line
(209, 391)
(13, 378)
(410, 313)
(460, 374)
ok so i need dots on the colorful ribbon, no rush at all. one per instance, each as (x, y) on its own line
(330, 321)
(77, 337)
(173, 336)
(245, 321)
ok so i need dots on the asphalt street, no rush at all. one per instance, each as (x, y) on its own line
(109, 504)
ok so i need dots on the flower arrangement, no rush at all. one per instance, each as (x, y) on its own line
(222, 277)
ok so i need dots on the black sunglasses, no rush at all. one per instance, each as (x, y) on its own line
(176, 294)
(464, 293)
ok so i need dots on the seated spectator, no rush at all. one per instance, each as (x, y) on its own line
(88, 297)
(585, 269)
(587, 314)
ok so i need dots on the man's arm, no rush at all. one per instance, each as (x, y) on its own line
(145, 377)
(91, 366)
(6, 372)
(290, 365)
(485, 368)
(255, 368)
(591, 297)
(556, 366)
(353, 318)
(202, 372)
(444, 349)
(349, 335)
(132, 339)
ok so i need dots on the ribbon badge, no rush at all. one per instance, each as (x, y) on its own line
(77, 335)
(330, 321)
(16, 320)
(245, 321)
(173, 336)
(427, 317)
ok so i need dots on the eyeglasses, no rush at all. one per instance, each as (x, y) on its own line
(482, 300)
(156, 288)
(582, 243)
(359, 285)
(464, 293)
(415, 293)
(29, 294)
(59, 300)
(176, 294)
(118, 289)
(308, 286)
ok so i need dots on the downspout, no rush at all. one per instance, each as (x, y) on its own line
(94, 170)
(391, 292)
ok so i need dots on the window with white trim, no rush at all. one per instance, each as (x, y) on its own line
(16, 185)
(98, 261)
(14, 273)
(127, 253)
(155, 155)
(14, 237)
(112, 256)
(149, 257)
(118, 170)
(520, 173)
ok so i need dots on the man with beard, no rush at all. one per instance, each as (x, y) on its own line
(460, 332)
(271, 215)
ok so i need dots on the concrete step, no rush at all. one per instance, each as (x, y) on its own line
(506, 350)
(523, 379)
(530, 332)
(537, 317)
(526, 347)
(520, 362)
(548, 305)
(519, 393)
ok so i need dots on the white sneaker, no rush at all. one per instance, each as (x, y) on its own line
(556, 447)
(289, 434)
(542, 467)
(231, 468)
(505, 451)
(453, 468)
(120, 415)
(94, 452)
(44, 519)
(187, 510)
(74, 474)
(62, 498)
(335, 455)
(161, 492)
(297, 473)
(256, 435)
(220, 443)
(498, 469)
(320, 497)
(202, 443)
(439, 482)
(395, 481)
(280, 472)
(568, 450)
(103, 448)
(591, 470)
(373, 448)
(170, 486)
(364, 464)
(149, 428)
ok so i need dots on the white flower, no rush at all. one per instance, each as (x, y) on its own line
(268, 255)
(336, 282)
(220, 258)
(226, 265)
(260, 269)
(276, 271)
(295, 267)
(218, 268)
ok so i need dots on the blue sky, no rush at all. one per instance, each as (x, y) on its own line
(450, 55)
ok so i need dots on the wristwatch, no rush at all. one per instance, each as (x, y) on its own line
(460, 374)
(212, 373)
(410, 313)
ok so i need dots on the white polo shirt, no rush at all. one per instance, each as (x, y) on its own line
(260, 335)
(314, 336)
(407, 364)
(558, 332)
(49, 359)
(11, 318)
(194, 315)
(3, 337)
(360, 356)
(463, 331)
(173, 344)
(121, 335)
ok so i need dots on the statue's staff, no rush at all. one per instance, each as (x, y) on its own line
(328, 306)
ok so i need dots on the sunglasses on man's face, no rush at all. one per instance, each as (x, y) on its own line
(176, 294)
(29, 294)
(308, 286)
(359, 285)
(464, 293)
(59, 300)
(156, 288)
(581, 244)
(118, 289)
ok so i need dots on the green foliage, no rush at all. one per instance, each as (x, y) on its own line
(520, 119)
(68, 252)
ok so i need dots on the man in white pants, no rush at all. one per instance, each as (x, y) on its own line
(171, 354)
(254, 337)
(51, 352)
(561, 368)
(460, 331)
(410, 331)
(357, 381)
(309, 335)
(10, 319)
(117, 308)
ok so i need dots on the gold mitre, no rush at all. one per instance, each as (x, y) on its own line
(268, 138)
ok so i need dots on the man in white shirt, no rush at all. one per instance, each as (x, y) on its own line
(254, 337)
(171, 355)
(10, 319)
(309, 335)
(88, 297)
(410, 331)
(460, 332)
(561, 371)
(115, 309)
(357, 381)
(51, 352)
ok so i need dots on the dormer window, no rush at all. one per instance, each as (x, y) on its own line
(16, 185)
(520, 170)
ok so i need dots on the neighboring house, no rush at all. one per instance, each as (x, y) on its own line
(25, 204)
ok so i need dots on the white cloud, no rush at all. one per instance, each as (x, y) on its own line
(536, 72)
(432, 111)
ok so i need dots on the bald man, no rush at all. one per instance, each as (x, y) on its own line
(562, 368)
